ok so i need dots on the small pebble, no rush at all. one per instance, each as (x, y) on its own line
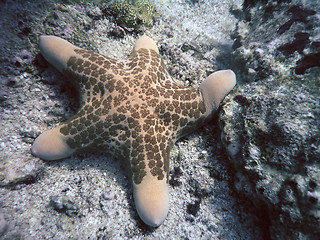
(117, 32)
(108, 196)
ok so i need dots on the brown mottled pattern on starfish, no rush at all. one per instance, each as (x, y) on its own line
(108, 118)
(132, 109)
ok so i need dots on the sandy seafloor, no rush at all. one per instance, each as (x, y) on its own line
(204, 205)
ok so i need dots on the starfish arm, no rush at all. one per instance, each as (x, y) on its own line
(80, 132)
(146, 43)
(216, 87)
(150, 172)
(151, 198)
(51, 145)
(56, 51)
(93, 74)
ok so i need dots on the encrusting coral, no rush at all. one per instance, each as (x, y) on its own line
(134, 110)
(133, 14)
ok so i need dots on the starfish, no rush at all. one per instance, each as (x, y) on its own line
(132, 109)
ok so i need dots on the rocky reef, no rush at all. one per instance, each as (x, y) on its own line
(271, 124)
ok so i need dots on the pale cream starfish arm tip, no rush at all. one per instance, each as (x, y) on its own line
(51, 145)
(151, 198)
(56, 51)
(216, 86)
(145, 42)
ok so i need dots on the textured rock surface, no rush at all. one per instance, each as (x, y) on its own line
(87, 196)
(271, 125)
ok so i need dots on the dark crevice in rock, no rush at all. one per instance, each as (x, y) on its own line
(298, 14)
(298, 44)
(248, 4)
(315, 45)
(175, 174)
(242, 100)
(308, 61)
(199, 193)
(193, 208)
(237, 13)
